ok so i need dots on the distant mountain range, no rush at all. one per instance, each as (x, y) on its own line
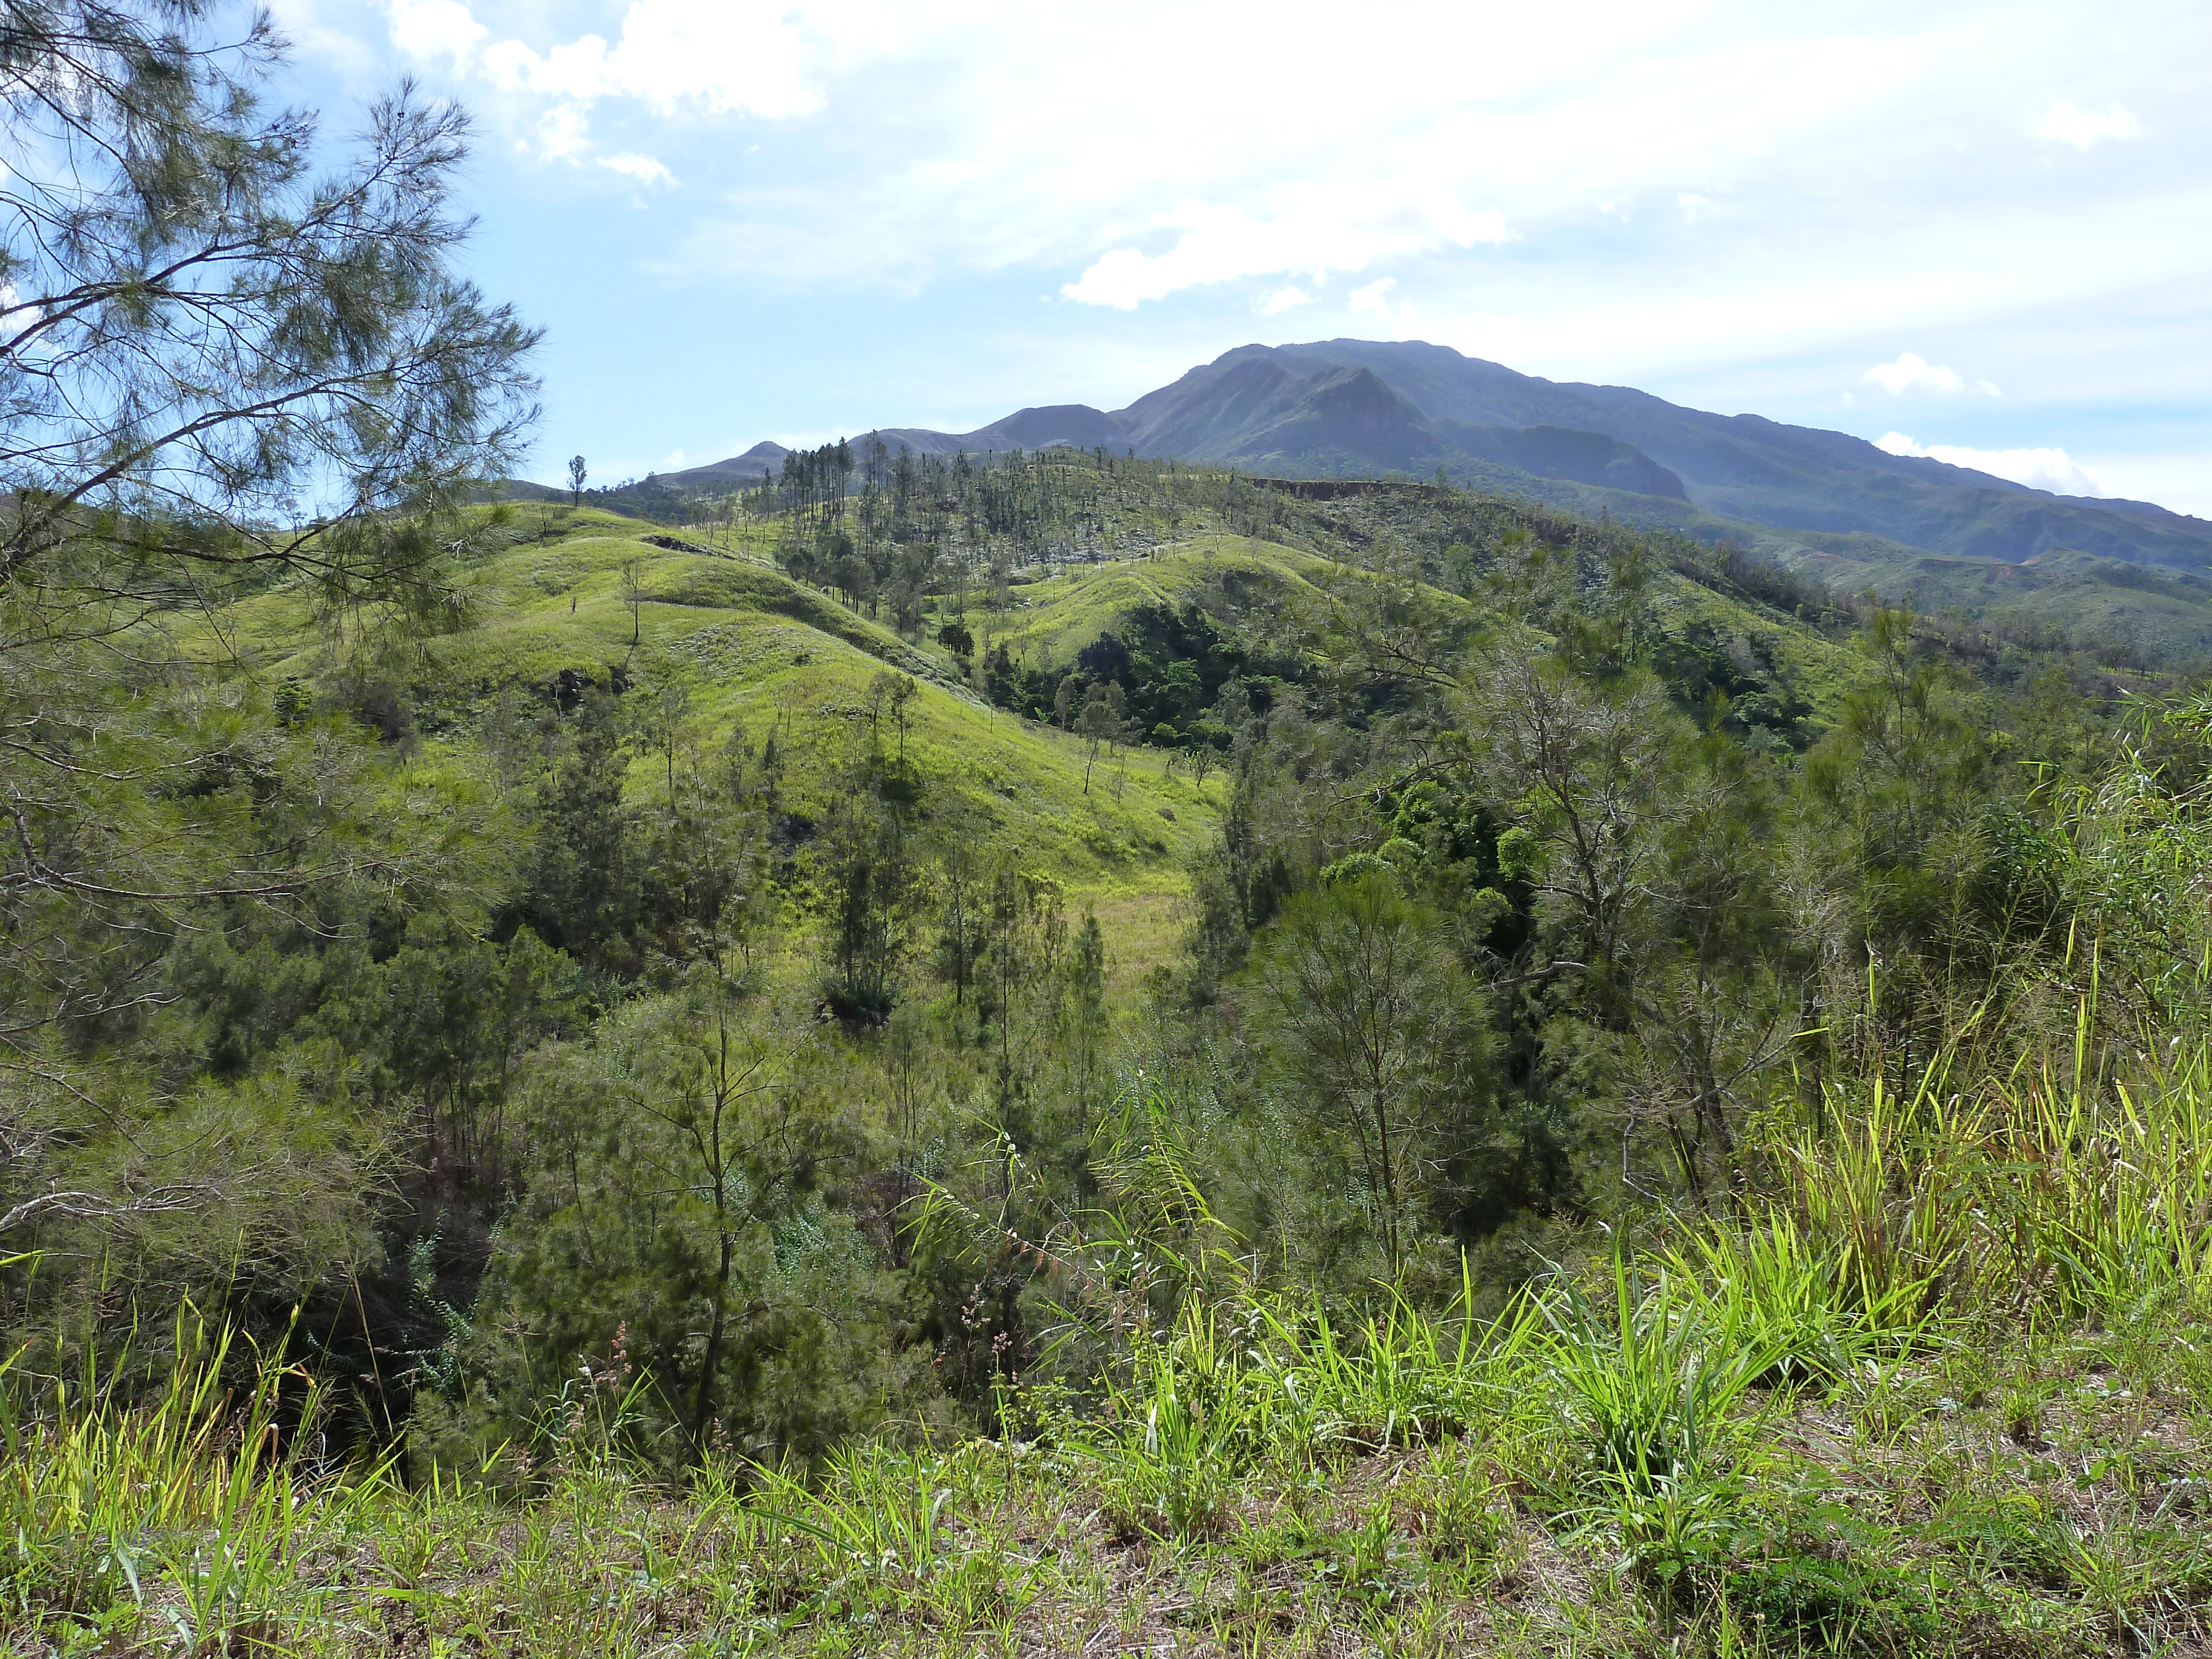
(1364, 408)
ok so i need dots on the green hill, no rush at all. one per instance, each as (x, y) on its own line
(600, 604)
(2125, 612)
(1099, 1055)
(589, 602)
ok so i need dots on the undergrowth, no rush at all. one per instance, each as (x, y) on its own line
(1917, 1363)
(1941, 1387)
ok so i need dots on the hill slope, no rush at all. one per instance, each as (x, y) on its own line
(738, 644)
(587, 600)
(1929, 1460)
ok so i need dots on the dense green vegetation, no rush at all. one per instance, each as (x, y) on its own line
(1043, 1053)
(834, 1159)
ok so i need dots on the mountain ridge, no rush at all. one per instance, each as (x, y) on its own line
(1352, 408)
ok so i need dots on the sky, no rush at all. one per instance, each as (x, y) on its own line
(1978, 232)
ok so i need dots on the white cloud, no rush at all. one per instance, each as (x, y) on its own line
(1315, 231)
(435, 29)
(1910, 372)
(646, 169)
(2083, 128)
(984, 134)
(1398, 318)
(737, 56)
(2039, 469)
(733, 57)
(563, 133)
(1373, 296)
(1858, 176)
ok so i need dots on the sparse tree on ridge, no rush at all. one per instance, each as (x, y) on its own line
(633, 598)
(576, 477)
(1096, 728)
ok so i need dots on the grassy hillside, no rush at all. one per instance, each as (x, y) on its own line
(590, 599)
(1055, 616)
(2146, 615)
(748, 648)
(579, 601)
(2156, 613)
(2134, 613)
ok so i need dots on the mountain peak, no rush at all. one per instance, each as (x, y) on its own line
(1351, 407)
(1076, 425)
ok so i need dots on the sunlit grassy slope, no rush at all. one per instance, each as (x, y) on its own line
(1054, 618)
(747, 646)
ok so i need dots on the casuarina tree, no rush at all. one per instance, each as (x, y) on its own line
(225, 360)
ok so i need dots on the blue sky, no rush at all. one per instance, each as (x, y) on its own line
(1983, 232)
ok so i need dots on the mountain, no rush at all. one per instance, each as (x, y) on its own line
(755, 464)
(1076, 425)
(1743, 466)
(1366, 407)
(1558, 452)
(1335, 420)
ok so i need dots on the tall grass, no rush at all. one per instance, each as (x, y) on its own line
(1800, 1310)
(1256, 1379)
(2077, 1181)
(2071, 1183)
(1630, 1398)
(2100, 1193)
(102, 1494)
(1633, 1391)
